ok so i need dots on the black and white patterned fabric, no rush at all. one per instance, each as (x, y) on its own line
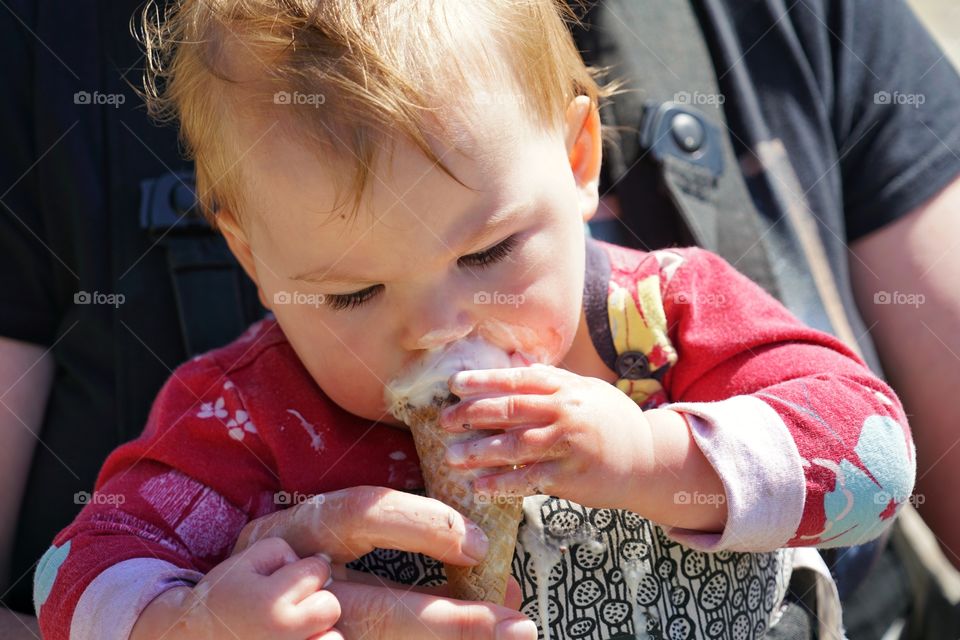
(683, 594)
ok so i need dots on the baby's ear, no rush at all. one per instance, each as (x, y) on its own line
(585, 151)
(236, 237)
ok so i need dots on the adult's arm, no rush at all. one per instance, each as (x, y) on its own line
(905, 280)
(26, 374)
(17, 626)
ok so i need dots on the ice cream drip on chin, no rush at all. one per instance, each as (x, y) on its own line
(426, 382)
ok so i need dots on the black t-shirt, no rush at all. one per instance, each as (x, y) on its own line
(70, 180)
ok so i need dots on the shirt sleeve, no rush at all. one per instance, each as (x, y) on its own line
(894, 108)
(812, 448)
(166, 508)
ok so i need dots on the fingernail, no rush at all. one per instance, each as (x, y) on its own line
(329, 561)
(460, 381)
(477, 543)
(516, 630)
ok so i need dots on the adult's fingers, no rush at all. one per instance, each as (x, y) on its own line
(319, 611)
(376, 613)
(513, 597)
(349, 523)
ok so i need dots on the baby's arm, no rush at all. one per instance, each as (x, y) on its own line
(167, 509)
(812, 448)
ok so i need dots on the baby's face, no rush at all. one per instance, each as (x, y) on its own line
(426, 261)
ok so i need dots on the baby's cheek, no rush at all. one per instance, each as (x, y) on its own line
(349, 379)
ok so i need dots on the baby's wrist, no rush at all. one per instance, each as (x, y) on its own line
(679, 470)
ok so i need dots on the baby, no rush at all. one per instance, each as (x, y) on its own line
(398, 177)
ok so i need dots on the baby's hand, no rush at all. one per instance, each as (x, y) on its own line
(577, 438)
(266, 591)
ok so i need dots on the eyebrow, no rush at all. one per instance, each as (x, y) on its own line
(485, 231)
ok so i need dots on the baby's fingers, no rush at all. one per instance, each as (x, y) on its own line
(534, 379)
(519, 446)
(499, 412)
(301, 579)
(531, 480)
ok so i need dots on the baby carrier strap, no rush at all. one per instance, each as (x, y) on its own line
(212, 304)
(672, 87)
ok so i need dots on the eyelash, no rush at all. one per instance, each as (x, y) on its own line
(494, 254)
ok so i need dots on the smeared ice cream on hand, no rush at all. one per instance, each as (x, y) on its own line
(426, 383)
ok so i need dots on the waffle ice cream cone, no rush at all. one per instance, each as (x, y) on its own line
(417, 398)
(499, 519)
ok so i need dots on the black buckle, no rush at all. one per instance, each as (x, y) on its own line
(168, 203)
(680, 131)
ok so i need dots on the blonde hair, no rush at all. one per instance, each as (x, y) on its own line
(378, 66)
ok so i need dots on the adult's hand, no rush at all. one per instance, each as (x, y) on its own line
(350, 523)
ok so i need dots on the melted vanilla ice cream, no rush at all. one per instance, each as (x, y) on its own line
(426, 382)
